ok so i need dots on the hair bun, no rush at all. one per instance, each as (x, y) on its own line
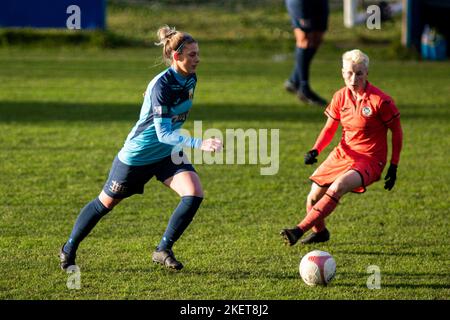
(165, 33)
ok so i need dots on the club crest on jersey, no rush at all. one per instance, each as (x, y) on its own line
(191, 94)
(367, 111)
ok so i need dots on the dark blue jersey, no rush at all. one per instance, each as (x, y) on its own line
(166, 105)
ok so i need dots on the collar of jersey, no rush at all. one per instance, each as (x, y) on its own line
(180, 78)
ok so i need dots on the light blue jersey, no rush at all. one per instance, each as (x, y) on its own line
(166, 105)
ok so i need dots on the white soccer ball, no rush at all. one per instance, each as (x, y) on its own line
(317, 268)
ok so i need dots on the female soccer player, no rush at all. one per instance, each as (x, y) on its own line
(149, 149)
(365, 113)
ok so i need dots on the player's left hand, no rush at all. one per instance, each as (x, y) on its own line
(390, 178)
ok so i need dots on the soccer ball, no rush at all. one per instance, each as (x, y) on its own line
(317, 268)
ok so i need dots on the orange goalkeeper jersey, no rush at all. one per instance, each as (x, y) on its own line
(364, 122)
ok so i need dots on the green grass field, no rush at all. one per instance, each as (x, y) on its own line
(65, 112)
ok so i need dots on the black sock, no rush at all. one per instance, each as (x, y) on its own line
(86, 221)
(179, 221)
(304, 58)
(295, 76)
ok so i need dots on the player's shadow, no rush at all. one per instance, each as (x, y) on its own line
(193, 271)
(239, 274)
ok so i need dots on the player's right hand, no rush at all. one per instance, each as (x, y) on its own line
(212, 144)
(310, 156)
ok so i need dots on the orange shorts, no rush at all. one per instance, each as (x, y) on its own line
(338, 163)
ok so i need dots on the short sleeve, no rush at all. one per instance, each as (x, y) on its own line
(333, 109)
(388, 111)
(159, 98)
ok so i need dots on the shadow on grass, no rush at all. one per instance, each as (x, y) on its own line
(240, 274)
(393, 252)
(33, 111)
(358, 279)
(200, 272)
(36, 111)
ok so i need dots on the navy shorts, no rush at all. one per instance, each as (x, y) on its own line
(308, 15)
(125, 180)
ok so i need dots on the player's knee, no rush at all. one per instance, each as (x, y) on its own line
(304, 43)
(309, 204)
(339, 187)
(194, 189)
(197, 192)
(312, 198)
(108, 201)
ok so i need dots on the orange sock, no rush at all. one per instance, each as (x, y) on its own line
(320, 211)
(320, 225)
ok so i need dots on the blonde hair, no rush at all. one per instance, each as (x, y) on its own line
(356, 56)
(172, 41)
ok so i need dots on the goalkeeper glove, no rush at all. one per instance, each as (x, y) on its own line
(390, 178)
(310, 156)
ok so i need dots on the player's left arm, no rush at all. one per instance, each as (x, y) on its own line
(391, 118)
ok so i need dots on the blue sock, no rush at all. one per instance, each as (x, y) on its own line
(300, 75)
(86, 221)
(179, 221)
(295, 76)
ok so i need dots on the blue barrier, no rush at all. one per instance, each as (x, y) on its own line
(72, 14)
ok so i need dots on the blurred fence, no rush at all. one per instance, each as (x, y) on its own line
(334, 4)
(219, 3)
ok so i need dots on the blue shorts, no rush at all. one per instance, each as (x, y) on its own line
(125, 180)
(308, 15)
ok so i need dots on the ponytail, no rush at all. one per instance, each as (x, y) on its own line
(172, 41)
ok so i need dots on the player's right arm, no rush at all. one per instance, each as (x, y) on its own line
(328, 131)
(326, 135)
(324, 139)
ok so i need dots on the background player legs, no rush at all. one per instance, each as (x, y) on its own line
(307, 44)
